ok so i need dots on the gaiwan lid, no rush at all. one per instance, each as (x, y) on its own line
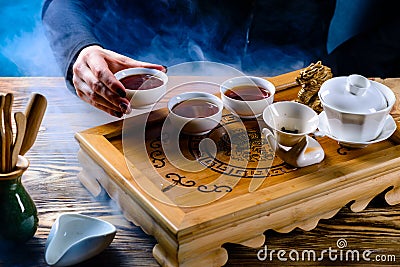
(353, 94)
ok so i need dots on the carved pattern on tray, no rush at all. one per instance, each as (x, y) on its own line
(220, 164)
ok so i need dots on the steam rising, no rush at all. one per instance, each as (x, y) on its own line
(151, 34)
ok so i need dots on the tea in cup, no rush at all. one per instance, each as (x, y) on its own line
(144, 86)
(195, 113)
(247, 96)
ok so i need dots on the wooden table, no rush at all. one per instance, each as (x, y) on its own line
(52, 182)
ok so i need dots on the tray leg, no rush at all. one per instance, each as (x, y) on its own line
(88, 175)
(213, 258)
(393, 196)
(255, 242)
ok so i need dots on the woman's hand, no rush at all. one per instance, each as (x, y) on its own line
(95, 83)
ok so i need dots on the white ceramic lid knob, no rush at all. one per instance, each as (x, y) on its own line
(357, 84)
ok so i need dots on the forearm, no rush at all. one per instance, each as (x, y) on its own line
(69, 30)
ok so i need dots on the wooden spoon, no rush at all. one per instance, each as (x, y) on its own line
(34, 113)
(20, 121)
(9, 98)
(2, 137)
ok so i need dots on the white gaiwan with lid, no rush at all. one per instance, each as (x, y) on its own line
(356, 108)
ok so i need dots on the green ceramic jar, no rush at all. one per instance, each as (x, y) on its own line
(18, 213)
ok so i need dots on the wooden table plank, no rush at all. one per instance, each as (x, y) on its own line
(52, 182)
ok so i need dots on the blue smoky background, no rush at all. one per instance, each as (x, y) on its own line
(24, 48)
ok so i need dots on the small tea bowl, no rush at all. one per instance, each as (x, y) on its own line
(262, 92)
(144, 86)
(74, 238)
(290, 121)
(195, 113)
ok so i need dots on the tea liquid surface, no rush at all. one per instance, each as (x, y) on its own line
(141, 82)
(195, 108)
(247, 93)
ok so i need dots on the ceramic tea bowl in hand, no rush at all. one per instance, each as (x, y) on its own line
(247, 96)
(195, 113)
(356, 108)
(144, 86)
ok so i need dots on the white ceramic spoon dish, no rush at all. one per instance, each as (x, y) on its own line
(74, 238)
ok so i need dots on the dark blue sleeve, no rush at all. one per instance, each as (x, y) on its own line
(69, 28)
(373, 47)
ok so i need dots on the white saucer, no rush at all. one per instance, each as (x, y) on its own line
(388, 129)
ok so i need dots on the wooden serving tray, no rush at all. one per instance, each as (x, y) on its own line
(239, 194)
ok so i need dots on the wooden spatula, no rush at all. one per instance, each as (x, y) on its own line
(20, 121)
(34, 113)
(8, 133)
(2, 138)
